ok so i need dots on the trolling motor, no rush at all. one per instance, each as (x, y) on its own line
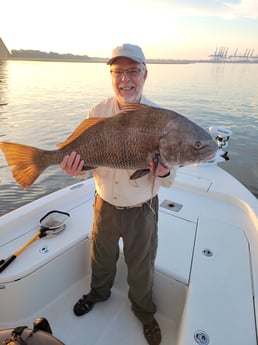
(221, 135)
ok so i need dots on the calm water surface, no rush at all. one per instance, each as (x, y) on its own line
(42, 102)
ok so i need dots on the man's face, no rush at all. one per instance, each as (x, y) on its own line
(128, 79)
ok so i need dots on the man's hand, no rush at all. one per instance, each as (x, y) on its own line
(72, 164)
(161, 170)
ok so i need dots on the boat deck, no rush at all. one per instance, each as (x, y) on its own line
(110, 322)
(205, 269)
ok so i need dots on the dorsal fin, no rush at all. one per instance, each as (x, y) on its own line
(132, 107)
(83, 126)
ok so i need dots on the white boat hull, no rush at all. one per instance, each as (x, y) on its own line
(206, 280)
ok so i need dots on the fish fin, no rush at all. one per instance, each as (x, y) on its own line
(139, 173)
(83, 126)
(133, 107)
(142, 172)
(23, 159)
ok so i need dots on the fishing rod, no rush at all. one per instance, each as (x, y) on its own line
(50, 224)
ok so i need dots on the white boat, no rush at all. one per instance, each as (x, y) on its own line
(206, 274)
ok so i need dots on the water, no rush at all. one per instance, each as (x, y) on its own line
(42, 102)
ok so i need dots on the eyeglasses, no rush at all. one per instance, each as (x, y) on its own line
(131, 72)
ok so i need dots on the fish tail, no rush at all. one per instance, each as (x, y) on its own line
(25, 160)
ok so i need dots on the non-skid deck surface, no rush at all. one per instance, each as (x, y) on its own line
(109, 323)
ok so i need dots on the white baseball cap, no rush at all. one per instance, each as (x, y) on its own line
(129, 51)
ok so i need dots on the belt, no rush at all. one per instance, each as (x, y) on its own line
(128, 207)
(148, 202)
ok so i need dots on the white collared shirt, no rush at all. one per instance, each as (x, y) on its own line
(114, 185)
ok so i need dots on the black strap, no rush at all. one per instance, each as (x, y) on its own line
(16, 336)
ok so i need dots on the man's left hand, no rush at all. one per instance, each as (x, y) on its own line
(161, 170)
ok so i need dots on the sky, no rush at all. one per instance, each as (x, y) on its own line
(165, 29)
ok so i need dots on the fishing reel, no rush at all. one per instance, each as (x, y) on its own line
(222, 136)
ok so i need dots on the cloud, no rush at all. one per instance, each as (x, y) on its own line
(246, 8)
(228, 9)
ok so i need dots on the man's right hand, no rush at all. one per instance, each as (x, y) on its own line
(72, 164)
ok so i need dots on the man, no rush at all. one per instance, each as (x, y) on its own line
(120, 200)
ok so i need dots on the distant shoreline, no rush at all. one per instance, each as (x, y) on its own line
(37, 55)
(93, 60)
(103, 60)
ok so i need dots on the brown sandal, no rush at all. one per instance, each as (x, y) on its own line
(152, 333)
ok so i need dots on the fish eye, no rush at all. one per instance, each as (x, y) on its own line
(198, 145)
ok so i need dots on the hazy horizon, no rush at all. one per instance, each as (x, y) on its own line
(168, 29)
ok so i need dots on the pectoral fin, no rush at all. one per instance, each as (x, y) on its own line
(139, 173)
(142, 172)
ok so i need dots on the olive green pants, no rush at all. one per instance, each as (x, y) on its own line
(138, 228)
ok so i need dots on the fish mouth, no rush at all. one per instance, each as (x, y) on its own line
(210, 157)
(196, 162)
